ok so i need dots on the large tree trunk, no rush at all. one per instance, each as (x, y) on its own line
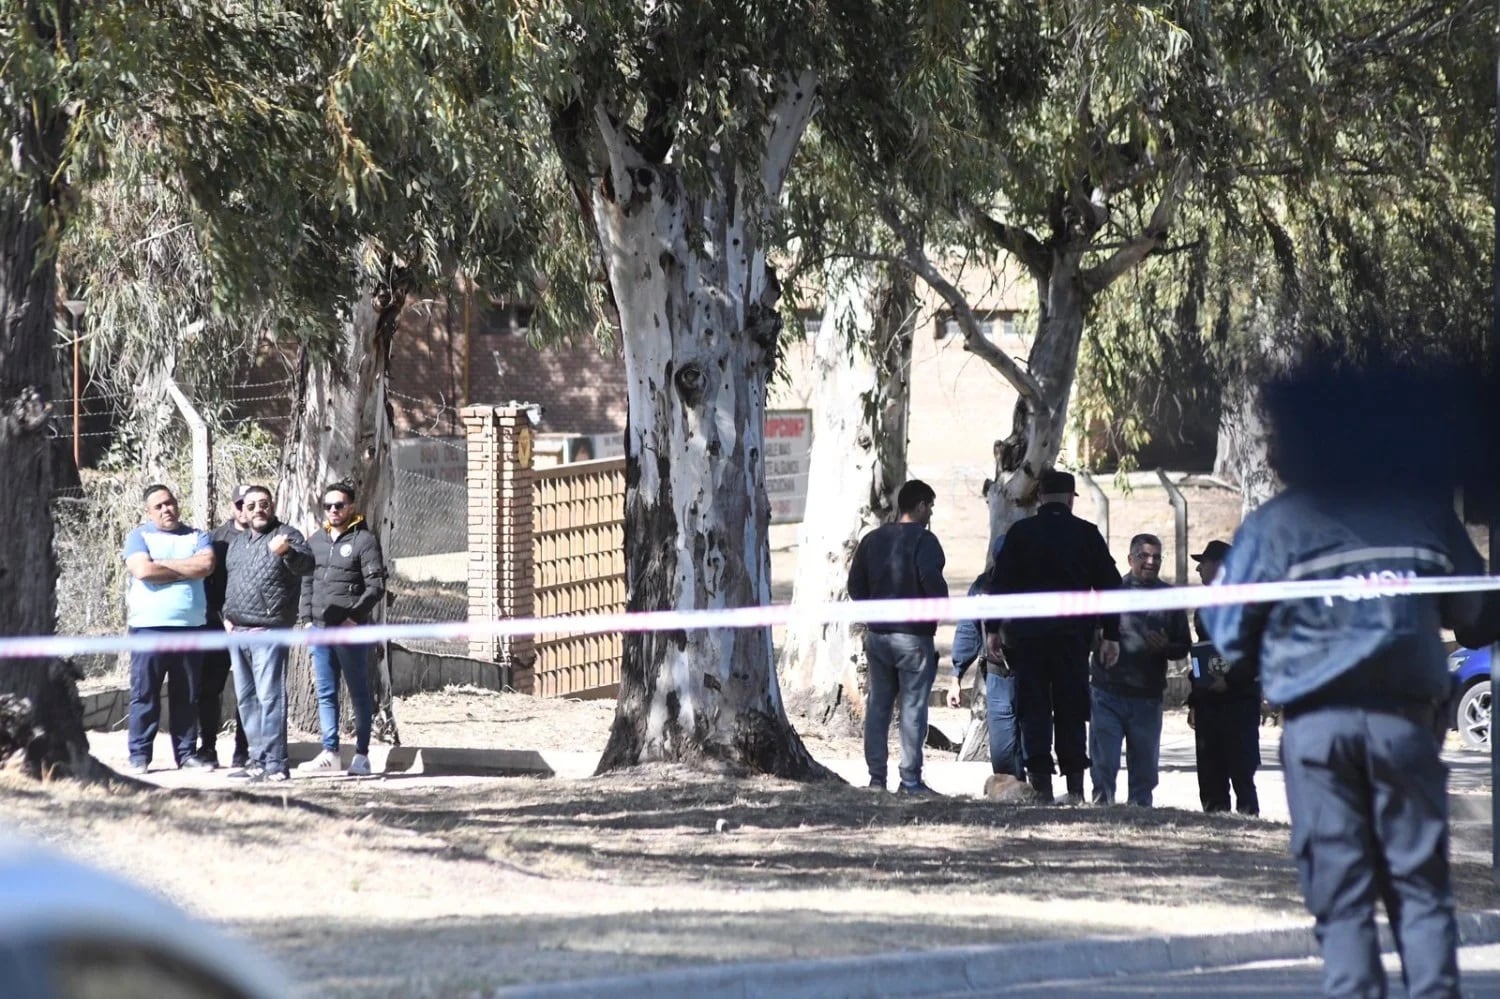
(1040, 426)
(341, 431)
(41, 718)
(697, 307)
(862, 366)
(1243, 454)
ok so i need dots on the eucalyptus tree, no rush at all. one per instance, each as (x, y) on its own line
(940, 64)
(861, 364)
(1377, 222)
(680, 137)
(1142, 110)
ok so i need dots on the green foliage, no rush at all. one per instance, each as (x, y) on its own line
(1364, 217)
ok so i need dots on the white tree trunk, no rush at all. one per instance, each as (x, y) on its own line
(341, 431)
(862, 366)
(1039, 431)
(697, 307)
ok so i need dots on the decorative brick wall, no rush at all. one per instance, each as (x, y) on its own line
(501, 570)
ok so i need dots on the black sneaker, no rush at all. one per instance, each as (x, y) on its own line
(263, 776)
(250, 772)
(918, 789)
(876, 785)
(197, 763)
(240, 762)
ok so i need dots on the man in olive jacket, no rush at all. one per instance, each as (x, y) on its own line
(347, 584)
(1127, 696)
(266, 562)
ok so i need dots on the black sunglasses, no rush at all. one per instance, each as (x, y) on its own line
(334, 506)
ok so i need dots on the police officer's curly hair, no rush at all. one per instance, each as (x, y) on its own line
(1375, 423)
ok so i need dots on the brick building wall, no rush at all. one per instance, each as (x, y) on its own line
(475, 352)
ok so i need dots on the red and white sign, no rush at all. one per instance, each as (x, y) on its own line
(788, 456)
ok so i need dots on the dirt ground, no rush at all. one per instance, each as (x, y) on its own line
(404, 886)
(419, 886)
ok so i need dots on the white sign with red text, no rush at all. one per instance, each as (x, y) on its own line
(788, 455)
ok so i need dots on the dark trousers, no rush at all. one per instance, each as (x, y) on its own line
(1052, 700)
(182, 671)
(216, 669)
(1227, 734)
(1368, 797)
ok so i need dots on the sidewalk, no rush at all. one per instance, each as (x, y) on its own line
(978, 970)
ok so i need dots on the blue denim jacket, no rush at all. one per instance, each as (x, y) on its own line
(1371, 650)
(968, 637)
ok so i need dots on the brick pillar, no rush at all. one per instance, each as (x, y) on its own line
(501, 571)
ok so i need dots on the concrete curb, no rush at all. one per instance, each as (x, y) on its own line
(974, 969)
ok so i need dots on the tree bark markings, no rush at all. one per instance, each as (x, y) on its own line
(697, 307)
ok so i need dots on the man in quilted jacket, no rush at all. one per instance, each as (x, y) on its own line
(266, 563)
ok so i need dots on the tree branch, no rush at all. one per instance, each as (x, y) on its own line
(1015, 240)
(915, 259)
(1138, 248)
(788, 121)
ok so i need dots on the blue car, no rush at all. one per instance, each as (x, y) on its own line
(1471, 696)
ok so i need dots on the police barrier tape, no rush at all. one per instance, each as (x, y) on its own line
(1007, 606)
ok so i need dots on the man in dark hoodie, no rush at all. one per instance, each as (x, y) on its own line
(266, 562)
(346, 586)
(1127, 697)
(895, 561)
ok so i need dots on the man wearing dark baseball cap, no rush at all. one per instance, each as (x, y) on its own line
(1223, 711)
(1054, 551)
(1213, 553)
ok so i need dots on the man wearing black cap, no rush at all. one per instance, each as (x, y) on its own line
(1224, 712)
(1054, 551)
(216, 663)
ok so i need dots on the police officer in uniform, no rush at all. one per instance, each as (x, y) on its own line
(1223, 711)
(1054, 551)
(1363, 679)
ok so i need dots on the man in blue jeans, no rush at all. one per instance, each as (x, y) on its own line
(895, 561)
(969, 647)
(347, 584)
(266, 562)
(167, 561)
(1127, 697)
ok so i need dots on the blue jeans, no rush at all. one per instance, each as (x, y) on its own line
(901, 667)
(1005, 737)
(353, 661)
(182, 671)
(1368, 795)
(260, 689)
(1136, 721)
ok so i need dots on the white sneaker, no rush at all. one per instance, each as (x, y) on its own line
(359, 766)
(326, 762)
